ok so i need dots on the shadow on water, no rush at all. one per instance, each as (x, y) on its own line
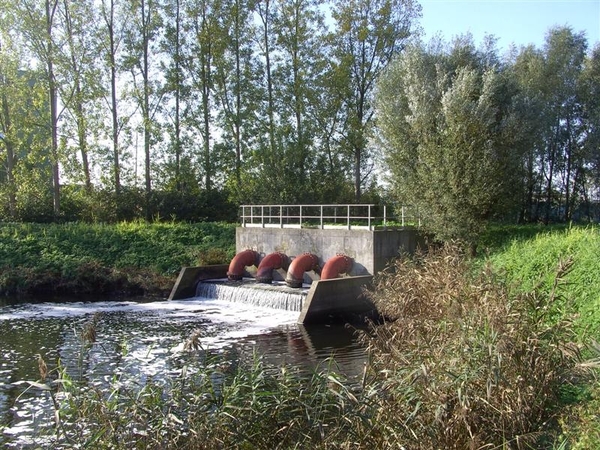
(142, 340)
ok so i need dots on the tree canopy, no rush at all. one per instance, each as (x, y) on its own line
(470, 138)
(185, 109)
(261, 101)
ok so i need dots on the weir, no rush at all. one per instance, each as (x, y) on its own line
(315, 259)
(265, 296)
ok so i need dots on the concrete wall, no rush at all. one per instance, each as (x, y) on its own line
(338, 299)
(371, 250)
(189, 277)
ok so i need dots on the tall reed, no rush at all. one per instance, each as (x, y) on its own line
(466, 362)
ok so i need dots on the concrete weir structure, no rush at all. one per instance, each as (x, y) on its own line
(364, 233)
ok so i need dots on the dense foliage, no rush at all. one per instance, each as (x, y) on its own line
(131, 258)
(251, 101)
(470, 137)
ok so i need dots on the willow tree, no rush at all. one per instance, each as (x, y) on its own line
(449, 139)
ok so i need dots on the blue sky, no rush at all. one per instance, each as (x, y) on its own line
(520, 22)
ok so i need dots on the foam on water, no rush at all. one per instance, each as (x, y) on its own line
(154, 347)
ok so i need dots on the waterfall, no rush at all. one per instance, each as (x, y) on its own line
(256, 294)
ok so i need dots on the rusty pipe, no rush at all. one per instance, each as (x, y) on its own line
(301, 264)
(272, 261)
(335, 266)
(239, 263)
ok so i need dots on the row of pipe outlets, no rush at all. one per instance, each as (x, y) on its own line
(306, 262)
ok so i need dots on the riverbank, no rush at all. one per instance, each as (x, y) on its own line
(496, 352)
(129, 258)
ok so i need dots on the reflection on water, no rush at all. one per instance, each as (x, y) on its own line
(145, 340)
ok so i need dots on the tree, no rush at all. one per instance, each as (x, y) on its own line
(448, 132)
(36, 26)
(110, 49)
(235, 87)
(564, 55)
(80, 87)
(207, 45)
(141, 37)
(368, 34)
(526, 69)
(8, 79)
(590, 92)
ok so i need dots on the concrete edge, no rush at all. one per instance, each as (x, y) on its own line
(185, 286)
(338, 298)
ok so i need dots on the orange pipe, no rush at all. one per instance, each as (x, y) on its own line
(270, 262)
(335, 266)
(239, 263)
(299, 265)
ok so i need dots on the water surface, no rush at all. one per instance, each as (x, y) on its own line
(142, 340)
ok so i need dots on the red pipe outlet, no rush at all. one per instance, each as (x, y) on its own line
(299, 265)
(269, 263)
(335, 266)
(239, 263)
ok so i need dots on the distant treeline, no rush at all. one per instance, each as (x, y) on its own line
(185, 109)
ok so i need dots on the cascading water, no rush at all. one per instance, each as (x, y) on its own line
(276, 296)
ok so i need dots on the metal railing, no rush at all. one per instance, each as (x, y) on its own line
(349, 216)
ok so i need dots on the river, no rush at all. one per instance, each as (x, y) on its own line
(141, 339)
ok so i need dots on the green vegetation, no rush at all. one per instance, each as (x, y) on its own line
(79, 258)
(528, 262)
(466, 358)
(471, 138)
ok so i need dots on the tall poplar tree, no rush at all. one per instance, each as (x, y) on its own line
(141, 41)
(80, 88)
(367, 35)
(110, 49)
(8, 98)
(36, 22)
(235, 86)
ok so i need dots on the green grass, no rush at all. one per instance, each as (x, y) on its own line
(529, 257)
(75, 257)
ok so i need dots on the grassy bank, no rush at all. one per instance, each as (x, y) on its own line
(527, 256)
(128, 258)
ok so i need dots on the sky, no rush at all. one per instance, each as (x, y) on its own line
(519, 22)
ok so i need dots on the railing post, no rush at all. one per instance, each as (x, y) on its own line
(402, 215)
(280, 216)
(300, 216)
(384, 217)
(369, 214)
(262, 216)
(321, 217)
(348, 216)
